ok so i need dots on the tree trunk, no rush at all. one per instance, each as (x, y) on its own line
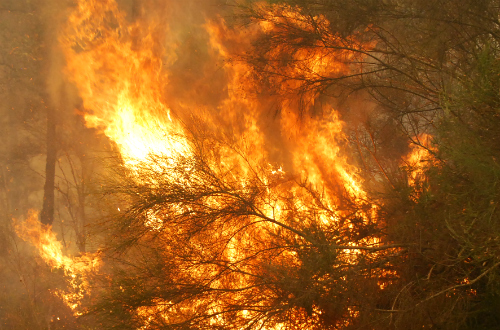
(47, 214)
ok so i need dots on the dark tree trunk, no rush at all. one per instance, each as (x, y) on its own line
(47, 214)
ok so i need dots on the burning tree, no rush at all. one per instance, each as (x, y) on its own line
(207, 245)
(210, 232)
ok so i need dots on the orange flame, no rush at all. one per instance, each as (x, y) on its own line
(117, 68)
(76, 269)
(418, 158)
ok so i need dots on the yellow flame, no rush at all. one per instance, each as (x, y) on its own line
(76, 269)
(117, 68)
(418, 158)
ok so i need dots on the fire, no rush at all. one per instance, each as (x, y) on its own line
(121, 81)
(418, 158)
(118, 69)
(76, 269)
(121, 70)
(313, 142)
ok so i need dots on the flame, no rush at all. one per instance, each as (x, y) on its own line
(313, 142)
(419, 158)
(118, 69)
(76, 269)
(121, 70)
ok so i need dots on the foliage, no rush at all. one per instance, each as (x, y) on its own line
(457, 213)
